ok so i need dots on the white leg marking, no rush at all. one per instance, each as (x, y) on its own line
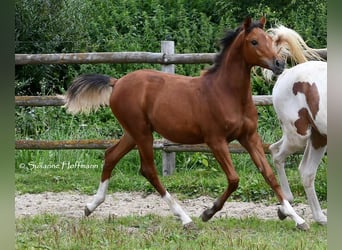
(288, 210)
(284, 184)
(317, 212)
(280, 150)
(176, 209)
(99, 197)
(308, 169)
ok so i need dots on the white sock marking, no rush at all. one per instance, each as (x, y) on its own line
(288, 210)
(176, 209)
(99, 197)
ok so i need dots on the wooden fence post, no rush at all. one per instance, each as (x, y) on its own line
(169, 158)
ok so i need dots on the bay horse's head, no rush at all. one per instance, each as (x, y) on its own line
(254, 44)
(258, 49)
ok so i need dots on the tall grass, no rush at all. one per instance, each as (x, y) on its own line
(154, 232)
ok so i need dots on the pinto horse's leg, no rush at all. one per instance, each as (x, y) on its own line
(280, 150)
(148, 170)
(308, 168)
(112, 156)
(253, 145)
(222, 155)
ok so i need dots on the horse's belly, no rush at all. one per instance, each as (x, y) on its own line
(180, 134)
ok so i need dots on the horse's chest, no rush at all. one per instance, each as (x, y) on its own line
(243, 122)
(232, 117)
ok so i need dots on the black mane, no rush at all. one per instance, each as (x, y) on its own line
(227, 41)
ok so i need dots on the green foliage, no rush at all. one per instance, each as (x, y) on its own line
(60, 26)
(49, 123)
(308, 18)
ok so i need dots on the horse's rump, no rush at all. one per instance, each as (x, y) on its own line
(302, 90)
(168, 103)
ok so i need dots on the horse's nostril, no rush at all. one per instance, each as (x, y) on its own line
(279, 63)
(279, 66)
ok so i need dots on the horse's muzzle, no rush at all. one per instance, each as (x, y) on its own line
(278, 66)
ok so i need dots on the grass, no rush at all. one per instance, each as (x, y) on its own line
(34, 175)
(154, 232)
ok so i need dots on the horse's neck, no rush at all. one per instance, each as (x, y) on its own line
(234, 75)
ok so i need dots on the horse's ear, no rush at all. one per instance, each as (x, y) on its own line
(247, 22)
(263, 21)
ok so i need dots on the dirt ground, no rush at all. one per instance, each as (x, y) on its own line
(71, 204)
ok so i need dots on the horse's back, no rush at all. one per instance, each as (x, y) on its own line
(310, 72)
(153, 80)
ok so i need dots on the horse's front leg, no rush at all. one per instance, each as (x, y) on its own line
(148, 170)
(222, 155)
(253, 145)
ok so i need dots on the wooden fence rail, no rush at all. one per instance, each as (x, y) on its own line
(114, 57)
(40, 101)
(122, 57)
(158, 144)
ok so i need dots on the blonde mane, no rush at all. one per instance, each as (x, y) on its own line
(291, 45)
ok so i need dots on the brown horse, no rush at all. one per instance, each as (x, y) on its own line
(214, 108)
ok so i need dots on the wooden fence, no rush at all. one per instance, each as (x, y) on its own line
(166, 58)
(122, 57)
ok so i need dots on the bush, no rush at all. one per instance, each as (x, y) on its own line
(60, 26)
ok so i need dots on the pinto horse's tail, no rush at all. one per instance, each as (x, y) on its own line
(88, 92)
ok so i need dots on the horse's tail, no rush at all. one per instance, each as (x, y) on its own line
(291, 44)
(88, 92)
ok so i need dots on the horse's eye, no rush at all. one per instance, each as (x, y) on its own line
(254, 42)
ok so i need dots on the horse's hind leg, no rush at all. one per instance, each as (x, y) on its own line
(112, 157)
(148, 170)
(280, 150)
(308, 168)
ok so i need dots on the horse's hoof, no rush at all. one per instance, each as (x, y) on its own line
(322, 223)
(87, 212)
(303, 226)
(322, 220)
(206, 215)
(281, 215)
(190, 226)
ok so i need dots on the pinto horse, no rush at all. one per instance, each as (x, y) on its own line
(215, 108)
(300, 101)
